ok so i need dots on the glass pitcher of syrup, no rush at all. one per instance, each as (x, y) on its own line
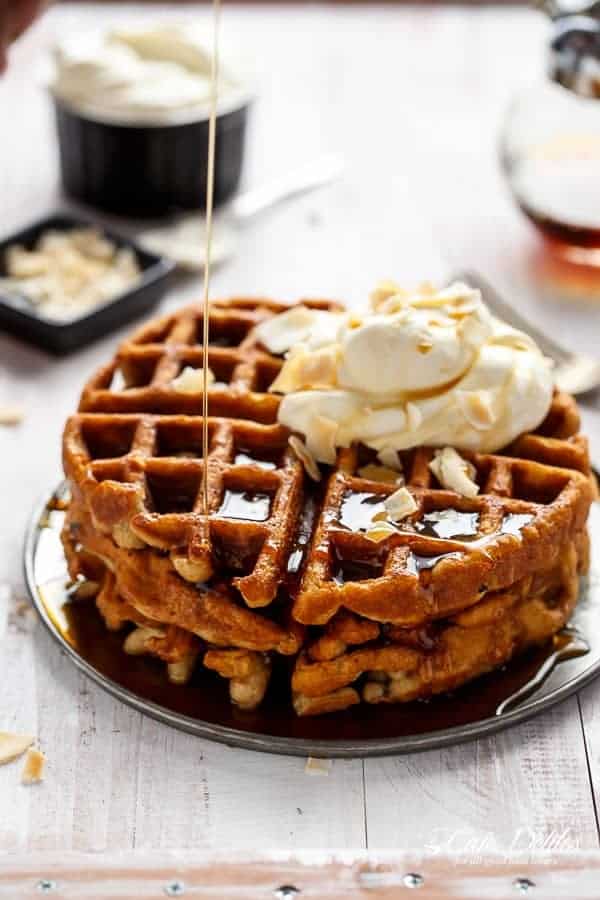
(550, 145)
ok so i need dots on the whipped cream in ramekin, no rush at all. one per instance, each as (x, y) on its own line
(424, 368)
(146, 75)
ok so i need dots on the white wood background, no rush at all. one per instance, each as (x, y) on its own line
(413, 99)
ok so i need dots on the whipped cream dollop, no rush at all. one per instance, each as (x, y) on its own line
(430, 367)
(156, 74)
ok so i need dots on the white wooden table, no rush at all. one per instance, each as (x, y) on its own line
(413, 99)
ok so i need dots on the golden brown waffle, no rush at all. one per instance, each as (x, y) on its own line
(123, 598)
(144, 490)
(396, 581)
(393, 664)
(140, 473)
(147, 583)
(147, 363)
(193, 586)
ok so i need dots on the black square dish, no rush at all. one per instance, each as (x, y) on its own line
(63, 337)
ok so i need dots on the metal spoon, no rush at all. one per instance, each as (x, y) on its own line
(572, 646)
(183, 240)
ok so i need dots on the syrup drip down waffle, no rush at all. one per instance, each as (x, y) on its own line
(282, 566)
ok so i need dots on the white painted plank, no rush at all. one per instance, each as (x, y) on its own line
(224, 797)
(117, 780)
(521, 790)
(18, 714)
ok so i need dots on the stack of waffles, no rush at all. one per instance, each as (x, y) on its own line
(283, 575)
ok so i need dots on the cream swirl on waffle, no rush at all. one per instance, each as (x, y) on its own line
(424, 368)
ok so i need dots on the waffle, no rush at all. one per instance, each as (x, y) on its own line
(394, 664)
(396, 583)
(140, 471)
(282, 566)
(146, 583)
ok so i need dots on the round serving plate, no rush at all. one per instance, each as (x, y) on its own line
(530, 684)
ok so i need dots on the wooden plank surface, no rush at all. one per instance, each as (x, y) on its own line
(310, 875)
(413, 100)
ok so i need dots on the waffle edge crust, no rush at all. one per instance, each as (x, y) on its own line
(278, 570)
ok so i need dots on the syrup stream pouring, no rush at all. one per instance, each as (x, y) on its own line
(212, 127)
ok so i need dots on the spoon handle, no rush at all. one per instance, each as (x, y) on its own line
(257, 200)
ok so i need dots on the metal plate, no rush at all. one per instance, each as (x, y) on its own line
(203, 706)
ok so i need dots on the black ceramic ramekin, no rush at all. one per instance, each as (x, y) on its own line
(148, 170)
(57, 336)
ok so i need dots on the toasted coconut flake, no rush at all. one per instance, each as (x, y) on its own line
(380, 531)
(289, 376)
(454, 473)
(33, 770)
(306, 458)
(22, 617)
(400, 504)
(380, 516)
(191, 381)
(476, 406)
(380, 473)
(282, 332)
(385, 290)
(320, 441)
(317, 766)
(11, 415)
(302, 371)
(414, 416)
(13, 745)
(124, 537)
(390, 458)
(463, 310)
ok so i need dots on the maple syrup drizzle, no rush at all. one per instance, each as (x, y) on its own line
(301, 542)
(358, 509)
(210, 181)
(416, 563)
(253, 507)
(246, 459)
(449, 523)
(512, 523)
